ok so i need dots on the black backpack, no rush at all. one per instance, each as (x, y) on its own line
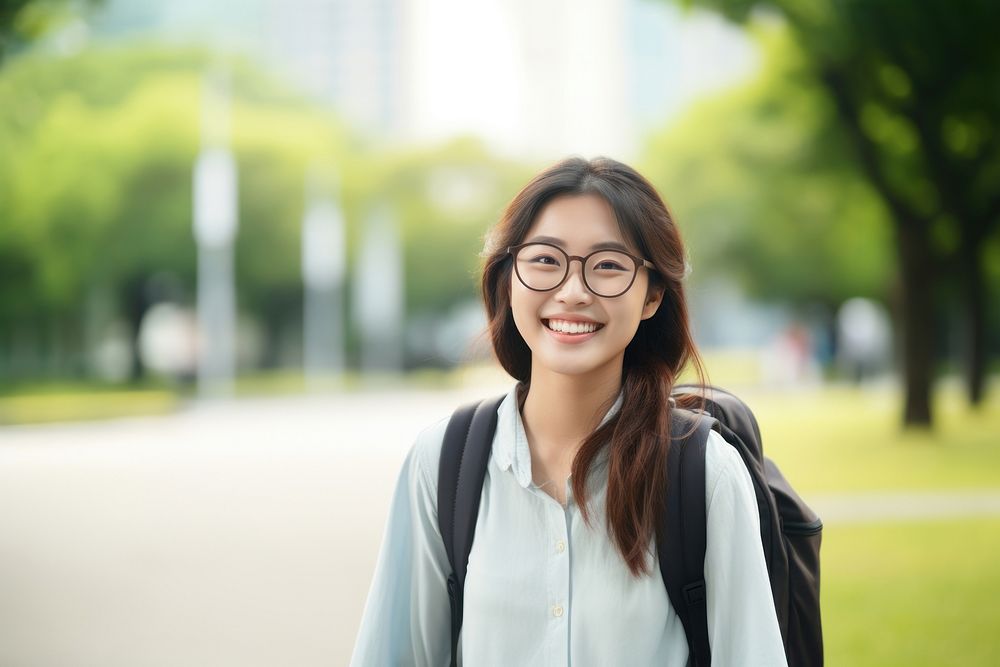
(790, 532)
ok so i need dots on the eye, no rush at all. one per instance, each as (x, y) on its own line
(609, 265)
(548, 260)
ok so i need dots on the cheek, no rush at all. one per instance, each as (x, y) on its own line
(628, 316)
(524, 306)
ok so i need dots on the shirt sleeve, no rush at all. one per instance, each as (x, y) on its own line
(407, 617)
(742, 623)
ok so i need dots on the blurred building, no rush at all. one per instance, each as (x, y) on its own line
(534, 80)
(544, 80)
(350, 54)
(596, 81)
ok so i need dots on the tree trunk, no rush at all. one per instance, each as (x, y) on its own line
(916, 264)
(974, 322)
(916, 317)
(134, 307)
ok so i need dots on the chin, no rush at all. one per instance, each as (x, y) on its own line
(570, 368)
(569, 364)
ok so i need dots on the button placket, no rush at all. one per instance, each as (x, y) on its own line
(558, 584)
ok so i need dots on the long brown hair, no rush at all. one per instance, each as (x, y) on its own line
(638, 437)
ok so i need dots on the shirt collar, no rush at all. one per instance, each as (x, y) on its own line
(510, 444)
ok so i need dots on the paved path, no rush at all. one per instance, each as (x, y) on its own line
(238, 534)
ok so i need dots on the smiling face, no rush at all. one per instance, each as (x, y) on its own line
(579, 224)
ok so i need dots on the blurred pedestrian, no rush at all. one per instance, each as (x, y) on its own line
(864, 338)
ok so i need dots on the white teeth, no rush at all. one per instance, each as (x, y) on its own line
(563, 326)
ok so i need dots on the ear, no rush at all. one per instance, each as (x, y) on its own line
(654, 297)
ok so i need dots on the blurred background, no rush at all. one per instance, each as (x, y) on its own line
(239, 254)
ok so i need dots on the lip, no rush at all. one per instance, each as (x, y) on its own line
(571, 339)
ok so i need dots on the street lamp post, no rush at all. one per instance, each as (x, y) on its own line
(215, 224)
(323, 268)
(378, 293)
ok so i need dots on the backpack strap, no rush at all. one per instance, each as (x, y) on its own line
(682, 539)
(465, 452)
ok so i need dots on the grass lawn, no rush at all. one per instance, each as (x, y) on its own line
(911, 594)
(57, 401)
(843, 439)
(79, 404)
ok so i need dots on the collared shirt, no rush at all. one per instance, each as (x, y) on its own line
(544, 588)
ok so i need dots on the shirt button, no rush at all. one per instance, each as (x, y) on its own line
(560, 546)
(557, 611)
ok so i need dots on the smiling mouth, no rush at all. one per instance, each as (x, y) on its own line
(572, 328)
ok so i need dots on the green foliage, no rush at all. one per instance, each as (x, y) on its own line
(762, 189)
(98, 173)
(24, 21)
(96, 163)
(915, 89)
(447, 198)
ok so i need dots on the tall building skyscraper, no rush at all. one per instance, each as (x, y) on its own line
(573, 62)
(543, 80)
(535, 80)
(350, 54)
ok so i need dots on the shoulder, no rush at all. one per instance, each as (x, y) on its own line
(425, 455)
(725, 470)
(720, 456)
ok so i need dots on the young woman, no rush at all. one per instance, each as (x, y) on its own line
(584, 289)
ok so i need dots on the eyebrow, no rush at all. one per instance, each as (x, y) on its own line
(604, 245)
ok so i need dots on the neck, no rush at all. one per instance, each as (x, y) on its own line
(560, 410)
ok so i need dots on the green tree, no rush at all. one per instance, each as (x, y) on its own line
(24, 21)
(95, 196)
(916, 87)
(765, 191)
(95, 183)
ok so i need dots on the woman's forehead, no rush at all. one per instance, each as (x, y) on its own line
(580, 223)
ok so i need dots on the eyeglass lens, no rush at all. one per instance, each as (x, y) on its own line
(543, 267)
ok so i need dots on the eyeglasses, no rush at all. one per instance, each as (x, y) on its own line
(607, 273)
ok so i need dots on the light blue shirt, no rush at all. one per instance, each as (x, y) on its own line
(545, 589)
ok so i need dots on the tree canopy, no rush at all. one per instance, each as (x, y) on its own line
(764, 190)
(95, 184)
(916, 89)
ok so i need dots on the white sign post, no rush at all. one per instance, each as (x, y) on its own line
(215, 223)
(324, 265)
(378, 294)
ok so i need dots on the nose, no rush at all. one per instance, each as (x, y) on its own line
(573, 289)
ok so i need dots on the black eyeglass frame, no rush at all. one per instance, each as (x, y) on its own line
(639, 262)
